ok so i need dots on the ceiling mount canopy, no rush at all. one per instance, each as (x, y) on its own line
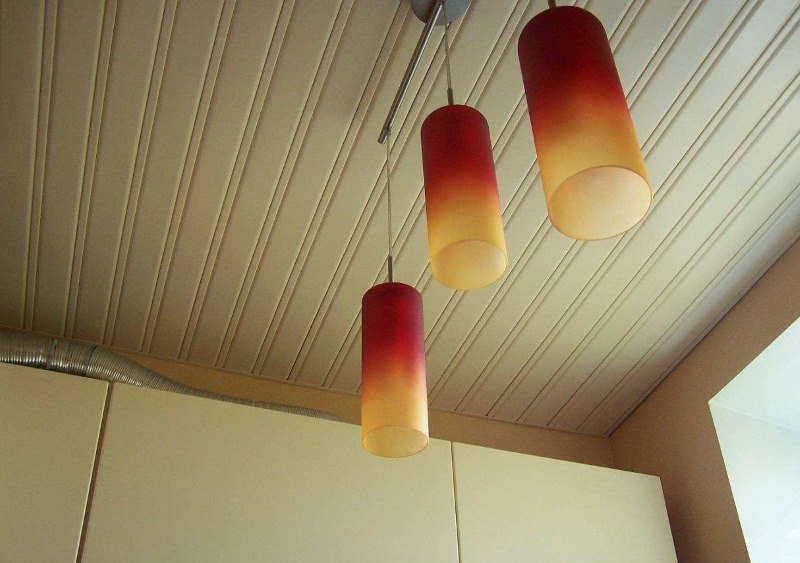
(451, 10)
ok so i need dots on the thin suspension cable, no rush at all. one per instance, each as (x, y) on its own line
(447, 54)
(389, 260)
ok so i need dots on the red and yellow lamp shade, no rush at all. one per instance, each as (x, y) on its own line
(595, 181)
(394, 395)
(466, 242)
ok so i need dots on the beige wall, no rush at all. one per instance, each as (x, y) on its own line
(593, 450)
(672, 434)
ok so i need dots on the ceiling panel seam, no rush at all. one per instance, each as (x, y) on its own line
(276, 201)
(141, 162)
(355, 132)
(271, 59)
(45, 105)
(731, 101)
(187, 173)
(332, 54)
(104, 52)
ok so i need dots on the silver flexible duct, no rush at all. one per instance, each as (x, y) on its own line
(88, 360)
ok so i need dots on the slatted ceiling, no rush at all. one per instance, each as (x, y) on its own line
(63, 154)
(265, 291)
(118, 110)
(20, 42)
(347, 76)
(201, 181)
(181, 99)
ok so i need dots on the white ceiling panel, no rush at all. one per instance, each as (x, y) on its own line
(202, 181)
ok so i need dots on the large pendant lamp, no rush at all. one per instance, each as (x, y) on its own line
(595, 181)
(466, 243)
(394, 397)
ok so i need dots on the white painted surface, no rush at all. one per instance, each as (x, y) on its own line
(763, 465)
(49, 427)
(757, 417)
(183, 479)
(515, 508)
(768, 388)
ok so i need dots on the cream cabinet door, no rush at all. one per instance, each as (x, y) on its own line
(49, 427)
(519, 508)
(183, 479)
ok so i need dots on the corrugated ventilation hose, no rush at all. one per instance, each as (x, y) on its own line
(88, 360)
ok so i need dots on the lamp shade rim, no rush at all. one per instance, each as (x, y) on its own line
(485, 281)
(422, 441)
(645, 182)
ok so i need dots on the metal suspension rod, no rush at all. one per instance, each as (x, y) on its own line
(412, 67)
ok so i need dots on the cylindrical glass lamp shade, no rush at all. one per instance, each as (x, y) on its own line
(394, 395)
(595, 181)
(465, 226)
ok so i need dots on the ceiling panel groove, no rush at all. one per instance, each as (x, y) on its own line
(508, 283)
(703, 198)
(187, 174)
(277, 37)
(550, 281)
(141, 161)
(474, 94)
(355, 133)
(21, 43)
(665, 48)
(791, 201)
(330, 56)
(45, 105)
(649, 145)
(244, 292)
(104, 54)
(421, 97)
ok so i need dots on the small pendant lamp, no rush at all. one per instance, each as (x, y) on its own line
(595, 181)
(466, 243)
(394, 395)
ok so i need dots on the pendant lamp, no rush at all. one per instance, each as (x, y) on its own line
(394, 395)
(466, 243)
(595, 181)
